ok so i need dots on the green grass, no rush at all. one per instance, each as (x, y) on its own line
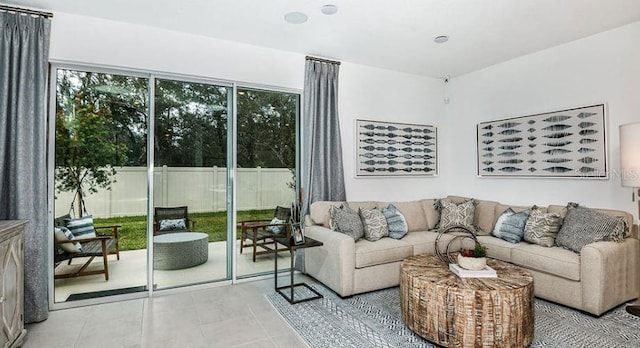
(133, 233)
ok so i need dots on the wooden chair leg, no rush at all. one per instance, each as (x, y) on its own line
(242, 236)
(104, 259)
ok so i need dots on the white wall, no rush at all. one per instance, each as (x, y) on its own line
(365, 92)
(601, 68)
(381, 95)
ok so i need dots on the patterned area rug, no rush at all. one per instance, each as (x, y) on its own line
(374, 320)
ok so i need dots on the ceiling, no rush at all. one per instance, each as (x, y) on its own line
(395, 35)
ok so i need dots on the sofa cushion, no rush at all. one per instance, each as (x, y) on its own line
(381, 251)
(396, 222)
(375, 224)
(510, 225)
(413, 214)
(584, 226)
(319, 211)
(562, 210)
(430, 212)
(456, 214)
(556, 261)
(484, 217)
(424, 242)
(542, 228)
(346, 220)
(497, 248)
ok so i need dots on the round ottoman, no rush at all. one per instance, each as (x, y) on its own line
(180, 250)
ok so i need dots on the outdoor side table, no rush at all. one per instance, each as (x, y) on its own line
(289, 295)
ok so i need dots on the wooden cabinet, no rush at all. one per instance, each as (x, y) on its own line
(12, 330)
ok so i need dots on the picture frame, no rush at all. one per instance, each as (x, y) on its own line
(297, 234)
(569, 143)
(395, 149)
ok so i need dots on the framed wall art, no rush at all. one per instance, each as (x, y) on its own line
(568, 143)
(395, 149)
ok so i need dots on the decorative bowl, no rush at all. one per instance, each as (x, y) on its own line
(472, 263)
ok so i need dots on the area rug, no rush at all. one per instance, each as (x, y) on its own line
(374, 320)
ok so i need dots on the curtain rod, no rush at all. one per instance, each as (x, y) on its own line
(323, 60)
(26, 11)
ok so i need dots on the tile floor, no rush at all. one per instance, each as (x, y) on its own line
(225, 316)
(131, 270)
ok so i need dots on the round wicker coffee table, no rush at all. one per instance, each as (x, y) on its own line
(467, 312)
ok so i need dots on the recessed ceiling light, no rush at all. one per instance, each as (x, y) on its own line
(329, 9)
(295, 17)
(441, 39)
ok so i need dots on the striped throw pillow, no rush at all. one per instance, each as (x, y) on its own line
(82, 227)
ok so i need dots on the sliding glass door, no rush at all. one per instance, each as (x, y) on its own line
(190, 183)
(266, 175)
(161, 168)
(100, 180)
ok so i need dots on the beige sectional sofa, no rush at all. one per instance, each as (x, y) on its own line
(605, 274)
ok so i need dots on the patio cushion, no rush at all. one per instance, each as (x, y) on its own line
(82, 227)
(173, 225)
(62, 234)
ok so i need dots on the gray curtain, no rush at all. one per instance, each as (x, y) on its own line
(323, 173)
(24, 53)
(322, 167)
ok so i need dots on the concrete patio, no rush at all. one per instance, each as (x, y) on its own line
(131, 271)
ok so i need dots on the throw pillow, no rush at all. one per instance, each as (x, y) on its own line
(276, 229)
(510, 225)
(62, 234)
(456, 215)
(396, 222)
(375, 224)
(584, 226)
(542, 228)
(346, 220)
(173, 225)
(82, 227)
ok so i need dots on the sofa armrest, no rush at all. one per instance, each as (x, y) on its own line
(334, 262)
(609, 274)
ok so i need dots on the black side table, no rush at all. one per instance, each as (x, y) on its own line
(308, 243)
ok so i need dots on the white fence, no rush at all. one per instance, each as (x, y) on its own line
(201, 189)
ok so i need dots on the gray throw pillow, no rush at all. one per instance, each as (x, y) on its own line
(375, 224)
(510, 225)
(584, 226)
(542, 228)
(346, 220)
(396, 222)
(456, 215)
(173, 225)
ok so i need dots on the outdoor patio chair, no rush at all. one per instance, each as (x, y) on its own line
(172, 220)
(102, 245)
(261, 233)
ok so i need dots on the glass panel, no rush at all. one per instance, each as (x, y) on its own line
(266, 175)
(100, 173)
(190, 212)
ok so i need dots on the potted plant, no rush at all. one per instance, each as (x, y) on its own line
(473, 259)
